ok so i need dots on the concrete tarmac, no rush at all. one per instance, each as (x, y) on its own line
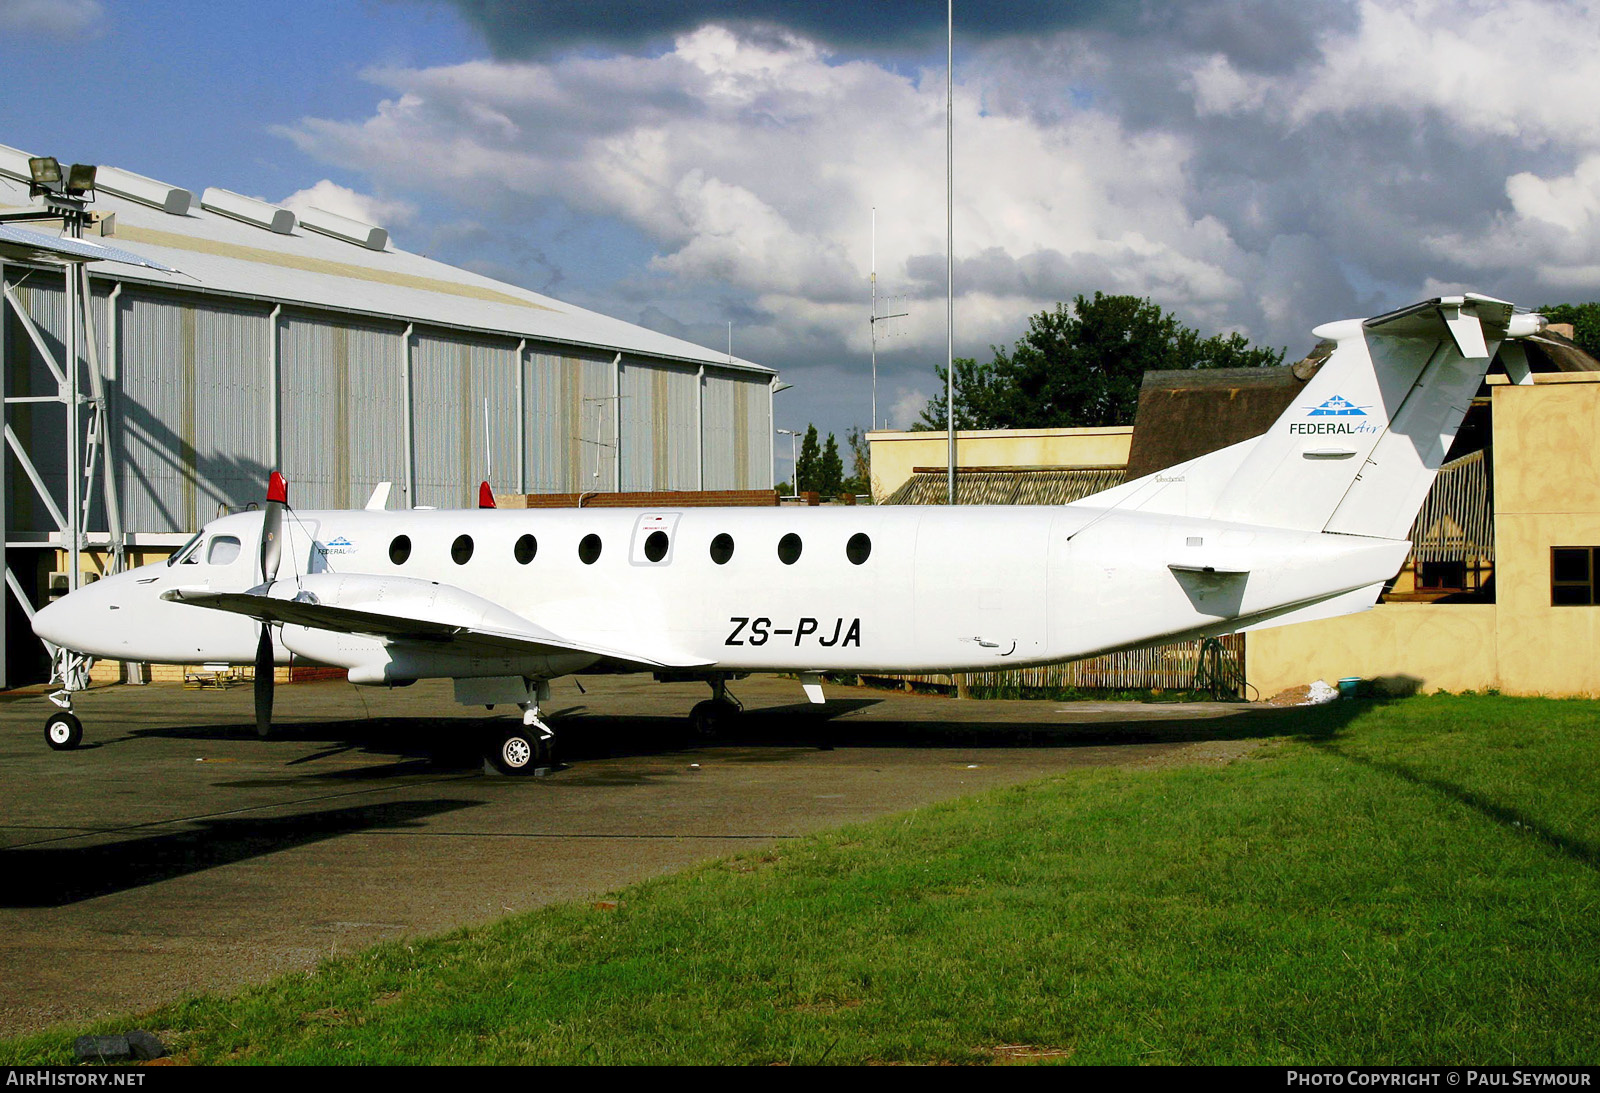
(175, 852)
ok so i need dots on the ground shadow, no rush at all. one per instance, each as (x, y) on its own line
(423, 745)
(45, 876)
(1577, 849)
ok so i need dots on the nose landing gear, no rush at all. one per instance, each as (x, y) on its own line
(63, 731)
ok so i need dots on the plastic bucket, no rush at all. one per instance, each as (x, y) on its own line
(1348, 686)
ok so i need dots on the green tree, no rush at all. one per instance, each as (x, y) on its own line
(830, 470)
(806, 465)
(1083, 367)
(860, 480)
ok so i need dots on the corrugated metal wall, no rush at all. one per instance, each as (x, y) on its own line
(572, 443)
(455, 379)
(190, 382)
(738, 425)
(343, 409)
(660, 448)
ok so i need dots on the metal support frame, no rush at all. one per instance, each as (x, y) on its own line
(89, 457)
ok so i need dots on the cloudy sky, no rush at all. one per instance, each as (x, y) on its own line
(1254, 165)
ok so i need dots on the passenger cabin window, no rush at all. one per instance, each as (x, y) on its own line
(400, 549)
(224, 550)
(859, 548)
(589, 549)
(789, 549)
(722, 548)
(526, 548)
(655, 546)
(461, 549)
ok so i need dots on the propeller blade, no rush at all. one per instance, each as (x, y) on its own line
(485, 496)
(272, 526)
(263, 685)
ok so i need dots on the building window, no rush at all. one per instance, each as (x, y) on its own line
(461, 549)
(1442, 576)
(1572, 576)
(589, 549)
(722, 548)
(526, 548)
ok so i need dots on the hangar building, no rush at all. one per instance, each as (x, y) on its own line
(314, 345)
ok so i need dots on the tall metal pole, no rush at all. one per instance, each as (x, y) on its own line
(949, 247)
(74, 441)
(872, 322)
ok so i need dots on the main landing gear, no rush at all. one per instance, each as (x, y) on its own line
(717, 714)
(63, 731)
(530, 746)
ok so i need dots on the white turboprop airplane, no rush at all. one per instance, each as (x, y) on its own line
(1305, 521)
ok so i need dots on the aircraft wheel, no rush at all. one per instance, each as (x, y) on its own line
(711, 718)
(519, 751)
(63, 731)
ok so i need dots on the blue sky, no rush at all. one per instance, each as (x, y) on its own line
(1253, 165)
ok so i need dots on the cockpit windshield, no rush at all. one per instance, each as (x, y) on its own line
(187, 552)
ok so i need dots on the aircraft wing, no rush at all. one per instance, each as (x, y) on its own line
(521, 638)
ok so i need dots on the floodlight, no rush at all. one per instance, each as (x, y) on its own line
(80, 179)
(46, 171)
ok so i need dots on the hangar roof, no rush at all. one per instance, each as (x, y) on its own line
(250, 254)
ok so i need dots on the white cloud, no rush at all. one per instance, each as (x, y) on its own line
(1551, 233)
(1518, 70)
(753, 166)
(906, 410)
(56, 18)
(331, 197)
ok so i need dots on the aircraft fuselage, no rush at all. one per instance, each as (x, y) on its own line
(847, 589)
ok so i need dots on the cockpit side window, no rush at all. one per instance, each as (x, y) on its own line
(224, 550)
(187, 553)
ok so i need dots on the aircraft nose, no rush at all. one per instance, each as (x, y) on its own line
(73, 621)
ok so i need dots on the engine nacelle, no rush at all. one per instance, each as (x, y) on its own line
(390, 660)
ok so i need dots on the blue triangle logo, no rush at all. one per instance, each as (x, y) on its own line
(1338, 406)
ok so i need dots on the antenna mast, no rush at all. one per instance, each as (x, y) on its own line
(875, 319)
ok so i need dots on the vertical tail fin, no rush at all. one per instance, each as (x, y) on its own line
(1358, 450)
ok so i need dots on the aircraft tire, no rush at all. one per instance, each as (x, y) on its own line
(63, 731)
(711, 718)
(519, 752)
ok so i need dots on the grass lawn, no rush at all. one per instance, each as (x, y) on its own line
(1409, 882)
